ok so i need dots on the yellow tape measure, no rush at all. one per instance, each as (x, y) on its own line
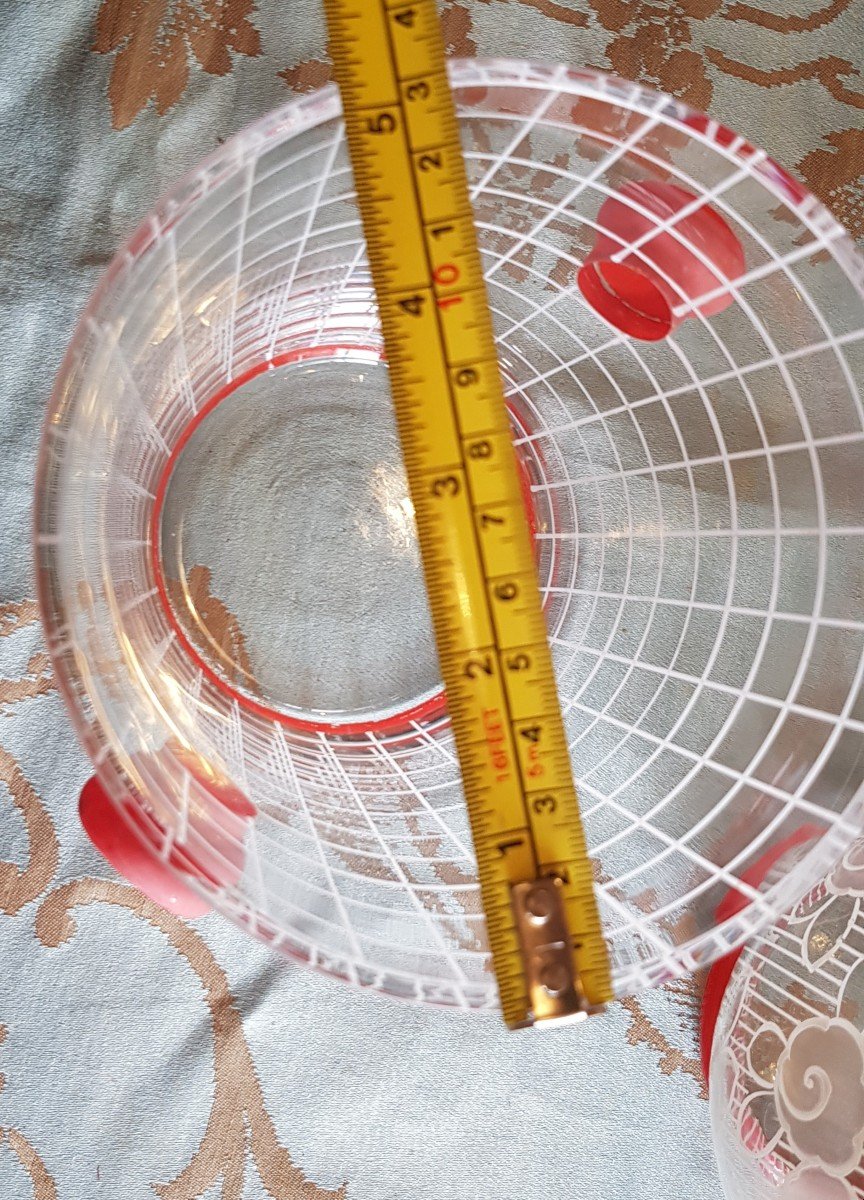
(548, 950)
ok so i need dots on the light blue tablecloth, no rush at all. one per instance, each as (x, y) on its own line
(142, 1056)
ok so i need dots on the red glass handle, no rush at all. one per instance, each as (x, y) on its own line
(128, 853)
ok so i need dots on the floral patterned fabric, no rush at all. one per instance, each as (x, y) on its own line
(140, 1055)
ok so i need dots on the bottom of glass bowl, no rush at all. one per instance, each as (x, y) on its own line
(285, 547)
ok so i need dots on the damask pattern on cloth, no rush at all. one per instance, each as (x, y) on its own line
(142, 1056)
(153, 44)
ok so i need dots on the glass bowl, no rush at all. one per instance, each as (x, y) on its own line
(228, 570)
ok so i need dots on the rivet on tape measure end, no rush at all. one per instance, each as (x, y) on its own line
(555, 992)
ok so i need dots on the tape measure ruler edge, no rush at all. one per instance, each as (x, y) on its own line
(536, 879)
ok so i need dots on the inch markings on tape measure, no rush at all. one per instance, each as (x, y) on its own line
(536, 878)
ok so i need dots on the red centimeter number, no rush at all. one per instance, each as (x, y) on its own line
(445, 276)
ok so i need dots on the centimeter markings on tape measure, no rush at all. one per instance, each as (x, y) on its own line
(536, 879)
